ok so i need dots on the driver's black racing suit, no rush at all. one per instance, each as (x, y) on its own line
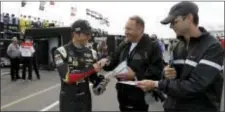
(75, 67)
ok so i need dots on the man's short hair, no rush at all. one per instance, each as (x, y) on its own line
(14, 39)
(138, 20)
(81, 26)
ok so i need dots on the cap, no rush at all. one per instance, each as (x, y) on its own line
(81, 26)
(180, 9)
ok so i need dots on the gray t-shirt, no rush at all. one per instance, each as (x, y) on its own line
(13, 51)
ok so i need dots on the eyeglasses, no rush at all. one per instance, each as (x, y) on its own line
(87, 34)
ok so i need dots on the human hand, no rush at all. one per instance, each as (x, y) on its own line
(146, 85)
(97, 67)
(103, 62)
(130, 75)
(169, 72)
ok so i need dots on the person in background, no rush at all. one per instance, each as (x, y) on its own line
(34, 23)
(11, 19)
(14, 53)
(45, 24)
(103, 49)
(6, 20)
(160, 43)
(39, 24)
(221, 39)
(22, 24)
(27, 51)
(222, 42)
(95, 55)
(29, 22)
(35, 61)
(161, 46)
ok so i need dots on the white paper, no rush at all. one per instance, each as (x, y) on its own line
(109, 74)
(134, 83)
(121, 68)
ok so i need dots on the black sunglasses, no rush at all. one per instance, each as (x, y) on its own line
(174, 21)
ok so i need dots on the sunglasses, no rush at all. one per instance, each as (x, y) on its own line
(177, 19)
(88, 34)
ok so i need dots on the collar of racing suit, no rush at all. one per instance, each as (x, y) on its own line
(78, 48)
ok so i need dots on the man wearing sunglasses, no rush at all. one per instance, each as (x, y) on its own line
(75, 64)
(193, 82)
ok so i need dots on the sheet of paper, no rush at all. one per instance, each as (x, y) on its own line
(122, 67)
(134, 83)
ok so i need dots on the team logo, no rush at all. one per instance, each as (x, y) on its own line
(89, 60)
(69, 59)
(75, 63)
(58, 60)
(87, 55)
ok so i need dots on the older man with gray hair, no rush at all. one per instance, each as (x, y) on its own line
(14, 54)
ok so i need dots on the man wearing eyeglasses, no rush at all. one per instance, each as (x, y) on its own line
(193, 82)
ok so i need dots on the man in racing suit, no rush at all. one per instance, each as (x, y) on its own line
(76, 67)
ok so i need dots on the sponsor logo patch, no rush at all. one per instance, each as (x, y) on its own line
(89, 60)
(87, 55)
(75, 63)
(58, 60)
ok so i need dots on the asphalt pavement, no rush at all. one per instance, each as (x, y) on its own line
(43, 95)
